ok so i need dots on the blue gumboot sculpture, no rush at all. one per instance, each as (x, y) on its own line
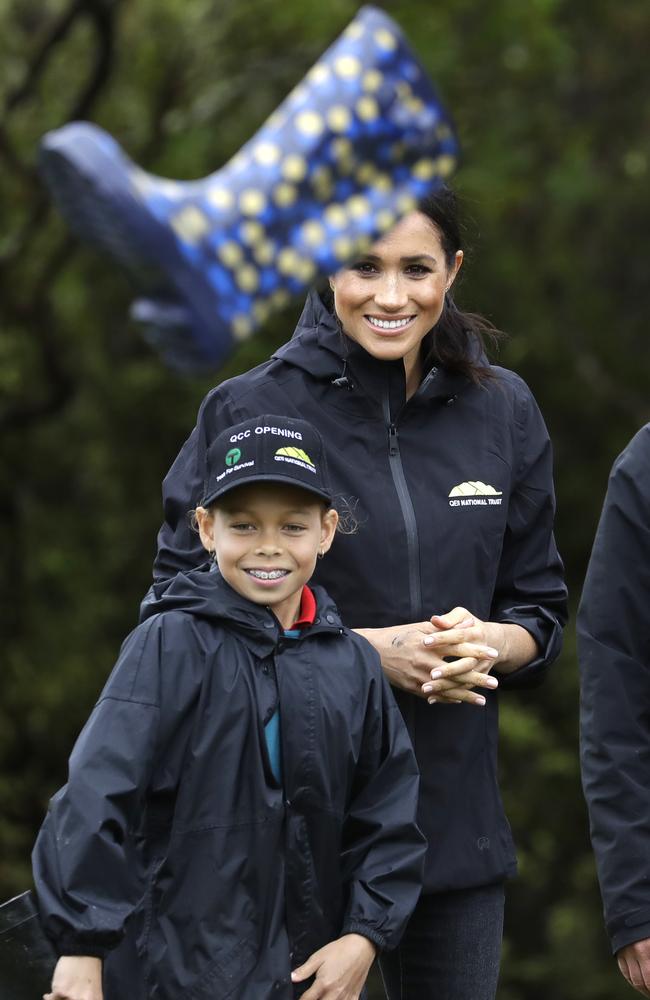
(350, 150)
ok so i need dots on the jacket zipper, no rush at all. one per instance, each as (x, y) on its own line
(408, 513)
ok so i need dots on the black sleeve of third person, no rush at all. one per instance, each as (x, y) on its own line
(614, 656)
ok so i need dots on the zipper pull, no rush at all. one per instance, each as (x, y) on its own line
(392, 440)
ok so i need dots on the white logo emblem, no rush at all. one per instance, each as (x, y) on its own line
(474, 493)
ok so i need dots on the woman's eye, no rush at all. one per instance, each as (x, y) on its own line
(364, 267)
(418, 270)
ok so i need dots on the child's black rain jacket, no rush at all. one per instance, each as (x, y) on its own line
(173, 851)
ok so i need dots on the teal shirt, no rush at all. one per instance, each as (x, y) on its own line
(272, 727)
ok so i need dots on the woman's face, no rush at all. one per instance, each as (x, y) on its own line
(389, 299)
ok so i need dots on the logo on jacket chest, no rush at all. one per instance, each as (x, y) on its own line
(474, 493)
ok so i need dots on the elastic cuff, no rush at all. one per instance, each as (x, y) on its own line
(76, 947)
(373, 935)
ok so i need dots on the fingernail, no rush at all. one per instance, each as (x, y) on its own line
(427, 687)
(429, 640)
(491, 652)
(480, 700)
(491, 682)
(435, 674)
(432, 701)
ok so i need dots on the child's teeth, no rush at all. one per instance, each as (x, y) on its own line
(273, 574)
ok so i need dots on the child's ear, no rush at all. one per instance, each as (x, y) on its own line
(205, 524)
(329, 521)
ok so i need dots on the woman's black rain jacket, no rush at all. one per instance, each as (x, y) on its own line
(175, 854)
(452, 495)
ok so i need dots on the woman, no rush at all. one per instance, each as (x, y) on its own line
(445, 465)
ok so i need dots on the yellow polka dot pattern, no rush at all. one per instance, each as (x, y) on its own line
(351, 150)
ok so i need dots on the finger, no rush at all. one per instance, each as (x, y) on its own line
(456, 696)
(472, 679)
(307, 968)
(454, 637)
(644, 977)
(463, 665)
(470, 657)
(453, 619)
(635, 976)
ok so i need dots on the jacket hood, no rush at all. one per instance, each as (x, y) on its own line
(320, 348)
(204, 592)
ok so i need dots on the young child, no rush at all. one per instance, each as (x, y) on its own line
(239, 816)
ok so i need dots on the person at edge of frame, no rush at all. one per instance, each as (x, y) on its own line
(446, 465)
(239, 818)
(613, 628)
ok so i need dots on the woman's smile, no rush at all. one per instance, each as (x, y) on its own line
(389, 325)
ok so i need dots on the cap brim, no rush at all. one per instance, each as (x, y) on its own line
(210, 498)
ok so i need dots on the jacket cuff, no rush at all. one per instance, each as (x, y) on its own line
(547, 635)
(355, 927)
(78, 946)
(624, 930)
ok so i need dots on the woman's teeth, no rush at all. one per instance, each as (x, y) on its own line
(262, 574)
(389, 324)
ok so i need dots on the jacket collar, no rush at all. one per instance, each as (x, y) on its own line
(319, 347)
(204, 593)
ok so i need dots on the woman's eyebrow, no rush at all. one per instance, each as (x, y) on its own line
(411, 259)
(419, 256)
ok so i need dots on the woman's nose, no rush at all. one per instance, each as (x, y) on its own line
(391, 293)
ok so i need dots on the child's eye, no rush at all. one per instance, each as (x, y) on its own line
(242, 526)
(294, 529)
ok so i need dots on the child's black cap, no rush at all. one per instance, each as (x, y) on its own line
(268, 449)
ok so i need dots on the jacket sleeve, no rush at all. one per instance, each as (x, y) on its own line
(614, 657)
(530, 589)
(87, 872)
(383, 848)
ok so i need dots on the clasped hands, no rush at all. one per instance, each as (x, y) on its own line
(415, 656)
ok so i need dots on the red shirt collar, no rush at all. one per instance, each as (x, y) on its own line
(307, 611)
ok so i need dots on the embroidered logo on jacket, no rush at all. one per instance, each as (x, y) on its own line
(474, 493)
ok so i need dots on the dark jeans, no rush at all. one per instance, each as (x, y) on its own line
(451, 948)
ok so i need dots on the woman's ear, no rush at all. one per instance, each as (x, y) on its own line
(329, 522)
(205, 524)
(458, 262)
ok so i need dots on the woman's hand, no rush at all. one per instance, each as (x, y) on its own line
(512, 645)
(76, 977)
(341, 969)
(410, 660)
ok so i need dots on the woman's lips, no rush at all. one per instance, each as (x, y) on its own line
(389, 327)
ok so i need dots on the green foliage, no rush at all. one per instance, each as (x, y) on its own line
(552, 102)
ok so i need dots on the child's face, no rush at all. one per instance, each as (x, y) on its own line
(266, 538)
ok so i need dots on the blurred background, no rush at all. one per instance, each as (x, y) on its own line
(552, 102)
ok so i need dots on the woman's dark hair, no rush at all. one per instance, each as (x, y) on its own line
(459, 340)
